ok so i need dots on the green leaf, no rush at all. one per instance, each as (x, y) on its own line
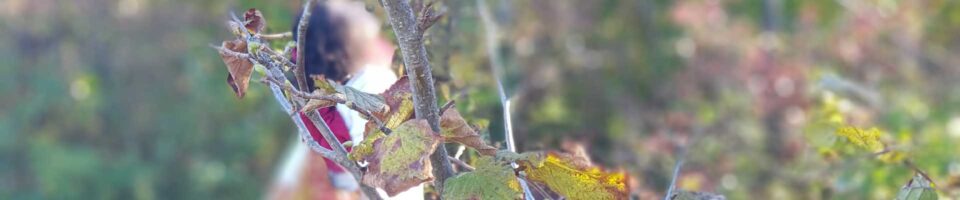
(401, 160)
(491, 180)
(918, 188)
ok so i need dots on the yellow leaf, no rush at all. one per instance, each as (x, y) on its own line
(866, 139)
(569, 177)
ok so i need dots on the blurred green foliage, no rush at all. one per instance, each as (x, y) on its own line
(122, 99)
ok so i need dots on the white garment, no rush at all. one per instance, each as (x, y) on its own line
(372, 79)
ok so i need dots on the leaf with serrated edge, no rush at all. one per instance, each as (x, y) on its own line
(401, 160)
(455, 129)
(239, 68)
(491, 180)
(567, 176)
(918, 188)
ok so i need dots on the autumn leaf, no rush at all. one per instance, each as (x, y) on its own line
(399, 99)
(491, 180)
(401, 160)
(570, 177)
(254, 21)
(314, 104)
(455, 129)
(918, 188)
(239, 68)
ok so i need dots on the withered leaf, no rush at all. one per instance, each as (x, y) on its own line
(239, 67)
(401, 160)
(254, 21)
(314, 104)
(573, 178)
(395, 97)
(353, 98)
(455, 129)
(491, 180)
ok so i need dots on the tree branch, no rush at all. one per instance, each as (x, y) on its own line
(462, 164)
(276, 36)
(299, 70)
(415, 60)
(335, 98)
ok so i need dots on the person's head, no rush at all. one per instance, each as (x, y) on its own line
(342, 37)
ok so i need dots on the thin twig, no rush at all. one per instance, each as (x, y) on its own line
(230, 52)
(462, 164)
(428, 16)
(496, 65)
(336, 98)
(681, 159)
(277, 36)
(447, 106)
(300, 70)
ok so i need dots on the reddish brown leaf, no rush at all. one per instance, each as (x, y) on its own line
(239, 67)
(455, 129)
(394, 97)
(254, 21)
(401, 160)
(399, 100)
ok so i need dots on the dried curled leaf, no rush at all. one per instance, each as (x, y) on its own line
(490, 180)
(918, 188)
(239, 67)
(254, 21)
(351, 97)
(570, 177)
(359, 100)
(314, 104)
(401, 160)
(866, 139)
(455, 129)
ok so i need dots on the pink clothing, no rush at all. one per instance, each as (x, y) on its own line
(337, 126)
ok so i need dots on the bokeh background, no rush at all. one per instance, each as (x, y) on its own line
(122, 99)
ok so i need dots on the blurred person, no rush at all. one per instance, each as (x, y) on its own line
(343, 44)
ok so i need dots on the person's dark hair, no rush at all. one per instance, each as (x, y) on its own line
(325, 51)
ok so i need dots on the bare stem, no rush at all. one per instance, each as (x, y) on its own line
(299, 71)
(277, 36)
(462, 164)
